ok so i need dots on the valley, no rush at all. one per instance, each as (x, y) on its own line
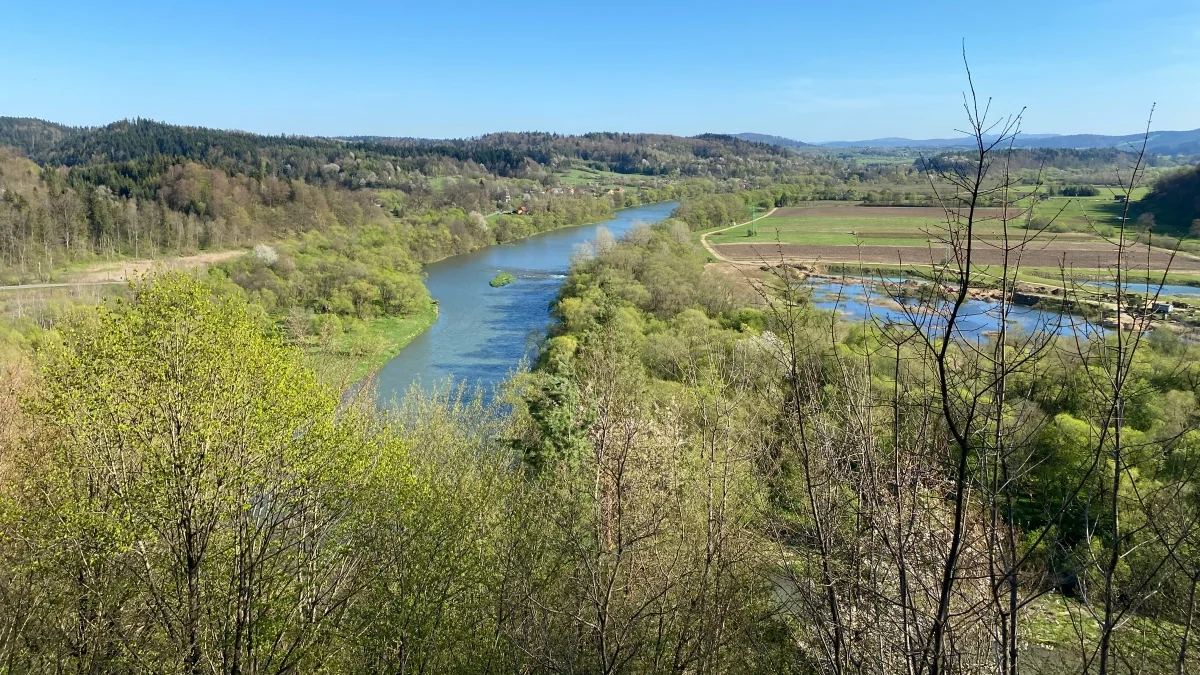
(592, 401)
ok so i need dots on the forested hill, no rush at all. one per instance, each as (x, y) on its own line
(774, 140)
(381, 162)
(33, 136)
(1175, 201)
(139, 187)
(1107, 161)
(649, 154)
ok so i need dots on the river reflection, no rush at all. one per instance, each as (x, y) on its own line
(857, 300)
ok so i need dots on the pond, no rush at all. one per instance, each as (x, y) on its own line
(857, 300)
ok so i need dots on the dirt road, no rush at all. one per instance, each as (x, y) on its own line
(128, 269)
(712, 251)
(123, 270)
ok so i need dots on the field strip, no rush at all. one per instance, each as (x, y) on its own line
(69, 284)
(713, 252)
(1089, 255)
(124, 271)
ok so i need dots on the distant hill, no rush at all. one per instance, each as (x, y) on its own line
(32, 135)
(897, 142)
(131, 156)
(773, 140)
(1160, 142)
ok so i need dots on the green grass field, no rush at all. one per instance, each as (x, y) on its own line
(715, 239)
(840, 231)
(827, 230)
(1070, 218)
(1078, 214)
(845, 226)
(595, 178)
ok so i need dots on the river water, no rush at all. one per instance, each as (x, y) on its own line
(859, 301)
(482, 333)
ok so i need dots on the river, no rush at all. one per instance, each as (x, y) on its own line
(482, 333)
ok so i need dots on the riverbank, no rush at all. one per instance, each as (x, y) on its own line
(1034, 305)
(395, 333)
(615, 215)
(484, 334)
(341, 358)
(353, 356)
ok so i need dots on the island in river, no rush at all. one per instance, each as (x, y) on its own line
(484, 333)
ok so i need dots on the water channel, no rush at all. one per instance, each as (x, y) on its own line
(483, 333)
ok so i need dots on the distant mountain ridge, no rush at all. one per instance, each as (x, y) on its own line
(1160, 142)
(773, 140)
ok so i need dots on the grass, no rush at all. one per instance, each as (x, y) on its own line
(502, 279)
(1074, 213)
(1064, 627)
(716, 239)
(355, 355)
(868, 229)
(593, 178)
(1073, 219)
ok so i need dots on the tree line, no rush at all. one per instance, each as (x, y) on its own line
(380, 161)
(1175, 201)
(48, 220)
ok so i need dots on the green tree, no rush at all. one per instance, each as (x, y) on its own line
(190, 498)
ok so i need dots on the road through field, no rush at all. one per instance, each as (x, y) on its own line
(893, 236)
(713, 252)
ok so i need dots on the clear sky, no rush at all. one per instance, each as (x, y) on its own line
(832, 70)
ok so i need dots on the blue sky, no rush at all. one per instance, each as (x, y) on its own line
(806, 70)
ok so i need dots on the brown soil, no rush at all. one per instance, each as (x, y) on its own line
(129, 269)
(746, 280)
(1078, 255)
(1015, 237)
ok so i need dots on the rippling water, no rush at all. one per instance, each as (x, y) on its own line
(483, 333)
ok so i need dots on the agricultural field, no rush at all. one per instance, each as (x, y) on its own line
(1073, 237)
(844, 224)
(1079, 214)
